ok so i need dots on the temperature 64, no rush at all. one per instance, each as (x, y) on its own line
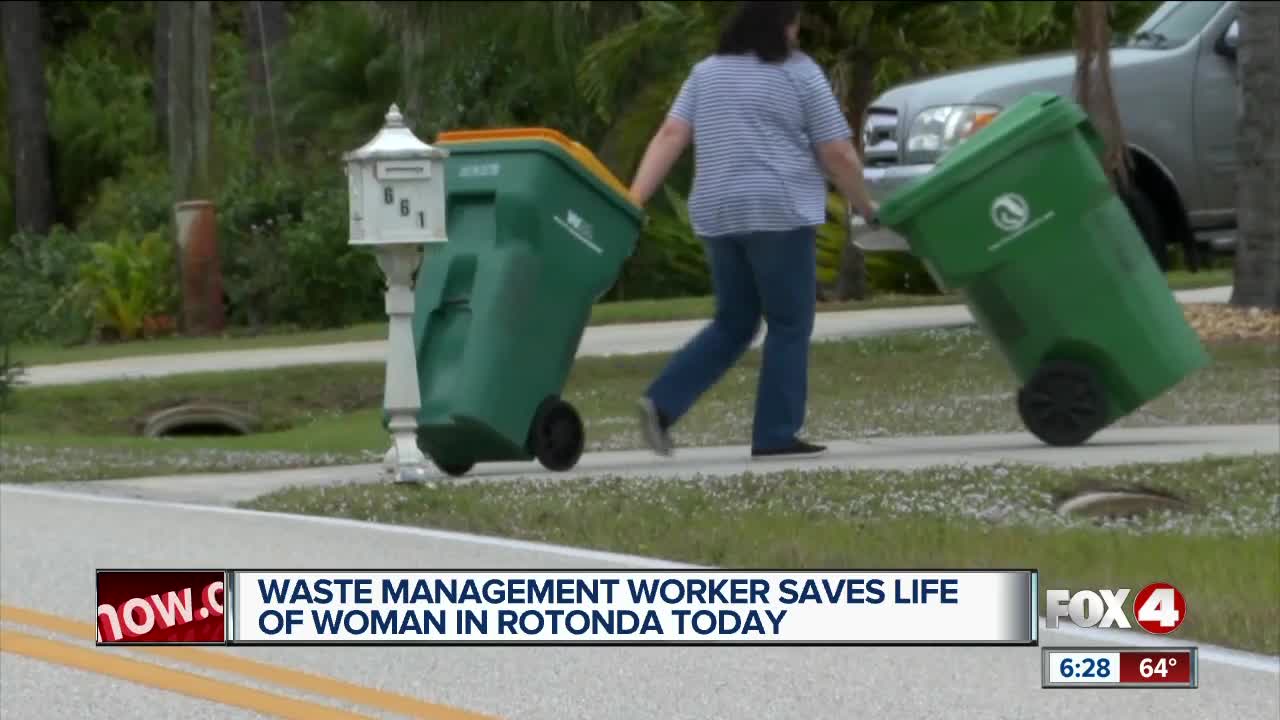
(1153, 666)
(1156, 666)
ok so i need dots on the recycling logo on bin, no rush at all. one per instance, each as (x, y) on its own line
(1010, 212)
(579, 228)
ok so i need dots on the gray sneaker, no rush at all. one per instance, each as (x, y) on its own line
(654, 427)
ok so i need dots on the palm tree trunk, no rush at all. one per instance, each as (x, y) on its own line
(28, 123)
(1257, 275)
(1093, 85)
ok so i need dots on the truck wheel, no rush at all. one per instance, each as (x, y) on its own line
(454, 469)
(557, 437)
(1147, 217)
(1063, 404)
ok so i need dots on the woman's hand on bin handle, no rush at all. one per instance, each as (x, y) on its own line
(870, 215)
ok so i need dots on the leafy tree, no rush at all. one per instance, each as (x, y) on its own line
(336, 104)
(484, 64)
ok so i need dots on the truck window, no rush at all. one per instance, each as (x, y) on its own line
(1170, 27)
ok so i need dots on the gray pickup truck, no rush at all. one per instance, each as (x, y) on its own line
(1176, 89)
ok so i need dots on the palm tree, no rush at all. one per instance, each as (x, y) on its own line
(1257, 276)
(28, 123)
(487, 63)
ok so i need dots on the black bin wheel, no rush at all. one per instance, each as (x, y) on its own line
(557, 436)
(454, 469)
(1063, 404)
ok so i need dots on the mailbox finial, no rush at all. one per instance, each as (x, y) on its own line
(394, 118)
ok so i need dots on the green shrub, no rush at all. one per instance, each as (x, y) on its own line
(669, 260)
(138, 201)
(285, 258)
(328, 283)
(38, 275)
(127, 282)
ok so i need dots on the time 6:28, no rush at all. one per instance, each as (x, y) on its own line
(1085, 668)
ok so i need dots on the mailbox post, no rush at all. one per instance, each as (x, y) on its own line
(397, 203)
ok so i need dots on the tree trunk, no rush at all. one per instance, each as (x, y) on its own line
(189, 50)
(1093, 85)
(201, 97)
(413, 47)
(851, 280)
(1257, 271)
(179, 99)
(160, 71)
(190, 46)
(266, 29)
(28, 124)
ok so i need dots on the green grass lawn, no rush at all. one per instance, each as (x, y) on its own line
(613, 313)
(932, 382)
(1224, 554)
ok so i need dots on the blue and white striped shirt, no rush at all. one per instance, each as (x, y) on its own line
(756, 126)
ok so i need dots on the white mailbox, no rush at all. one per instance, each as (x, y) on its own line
(396, 186)
(396, 183)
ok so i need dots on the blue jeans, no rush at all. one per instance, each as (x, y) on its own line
(769, 275)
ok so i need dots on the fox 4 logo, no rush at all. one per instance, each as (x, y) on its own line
(1158, 608)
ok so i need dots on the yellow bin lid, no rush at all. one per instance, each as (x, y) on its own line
(575, 150)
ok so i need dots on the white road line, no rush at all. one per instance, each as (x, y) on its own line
(1208, 653)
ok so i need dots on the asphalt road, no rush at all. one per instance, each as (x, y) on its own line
(597, 341)
(49, 569)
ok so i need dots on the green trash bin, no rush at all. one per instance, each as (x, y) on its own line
(538, 230)
(1021, 219)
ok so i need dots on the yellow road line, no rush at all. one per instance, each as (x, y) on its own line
(226, 662)
(158, 676)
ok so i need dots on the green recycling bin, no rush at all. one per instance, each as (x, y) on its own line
(538, 231)
(1022, 220)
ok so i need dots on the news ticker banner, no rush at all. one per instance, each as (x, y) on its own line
(567, 607)
(1129, 667)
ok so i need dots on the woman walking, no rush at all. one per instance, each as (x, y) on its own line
(765, 126)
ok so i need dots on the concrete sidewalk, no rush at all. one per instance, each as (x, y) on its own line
(598, 341)
(1110, 447)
